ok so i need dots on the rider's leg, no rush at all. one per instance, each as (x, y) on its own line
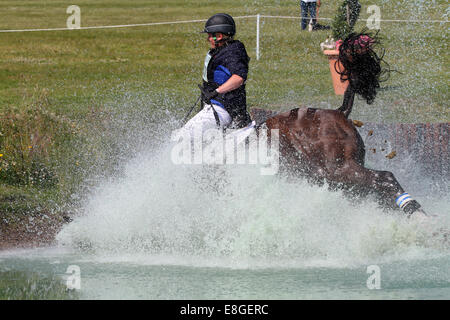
(205, 119)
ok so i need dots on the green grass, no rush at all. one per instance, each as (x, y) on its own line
(18, 285)
(76, 66)
(87, 76)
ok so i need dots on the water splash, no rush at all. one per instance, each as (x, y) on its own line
(160, 213)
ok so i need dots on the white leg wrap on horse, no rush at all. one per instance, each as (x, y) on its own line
(403, 199)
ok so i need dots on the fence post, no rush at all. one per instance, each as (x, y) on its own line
(257, 36)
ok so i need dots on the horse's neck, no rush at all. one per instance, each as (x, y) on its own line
(347, 104)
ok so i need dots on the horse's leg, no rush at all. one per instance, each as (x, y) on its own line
(383, 183)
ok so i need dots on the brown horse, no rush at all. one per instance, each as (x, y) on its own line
(325, 146)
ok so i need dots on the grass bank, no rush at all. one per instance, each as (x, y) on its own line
(17, 285)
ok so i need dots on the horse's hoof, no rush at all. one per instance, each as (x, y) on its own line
(411, 207)
(419, 215)
(423, 218)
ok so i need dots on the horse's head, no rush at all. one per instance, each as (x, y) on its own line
(362, 65)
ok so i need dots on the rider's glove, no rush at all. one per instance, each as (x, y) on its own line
(207, 95)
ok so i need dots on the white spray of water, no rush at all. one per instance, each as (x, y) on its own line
(231, 216)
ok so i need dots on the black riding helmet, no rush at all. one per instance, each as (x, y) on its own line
(220, 22)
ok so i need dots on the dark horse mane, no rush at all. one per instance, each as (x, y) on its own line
(325, 146)
(363, 67)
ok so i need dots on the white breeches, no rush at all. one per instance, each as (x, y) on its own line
(205, 120)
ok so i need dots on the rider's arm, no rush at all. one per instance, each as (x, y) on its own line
(231, 84)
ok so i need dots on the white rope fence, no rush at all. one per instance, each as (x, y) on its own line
(203, 20)
(258, 19)
(121, 25)
(105, 27)
(381, 20)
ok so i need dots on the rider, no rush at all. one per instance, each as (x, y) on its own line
(224, 75)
